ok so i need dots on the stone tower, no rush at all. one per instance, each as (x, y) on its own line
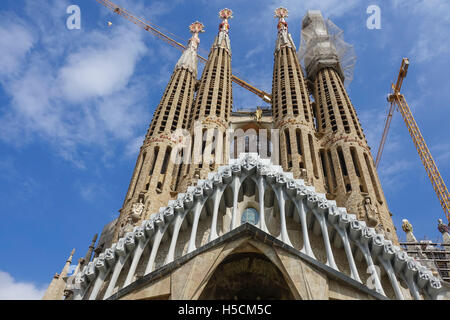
(292, 112)
(156, 174)
(348, 167)
(210, 115)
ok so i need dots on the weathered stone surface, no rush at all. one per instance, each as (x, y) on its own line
(159, 289)
(309, 282)
(340, 291)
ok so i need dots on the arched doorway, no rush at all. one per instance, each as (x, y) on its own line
(247, 276)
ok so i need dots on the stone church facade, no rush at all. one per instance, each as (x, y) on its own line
(280, 203)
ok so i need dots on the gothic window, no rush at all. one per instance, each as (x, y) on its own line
(250, 215)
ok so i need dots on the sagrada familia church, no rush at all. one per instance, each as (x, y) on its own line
(280, 203)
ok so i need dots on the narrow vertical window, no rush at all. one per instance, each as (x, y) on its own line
(166, 160)
(372, 178)
(313, 156)
(299, 141)
(355, 162)
(342, 162)
(326, 176)
(155, 156)
(139, 174)
(333, 174)
(288, 142)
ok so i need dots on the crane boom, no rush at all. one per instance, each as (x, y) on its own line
(153, 29)
(385, 132)
(396, 98)
(401, 75)
(425, 155)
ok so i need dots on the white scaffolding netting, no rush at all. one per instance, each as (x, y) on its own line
(322, 45)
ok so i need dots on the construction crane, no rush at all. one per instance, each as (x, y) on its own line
(397, 99)
(154, 29)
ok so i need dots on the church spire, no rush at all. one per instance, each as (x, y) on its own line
(155, 176)
(55, 290)
(284, 37)
(223, 40)
(210, 115)
(292, 110)
(188, 59)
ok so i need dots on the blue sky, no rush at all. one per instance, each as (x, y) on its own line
(75, 105)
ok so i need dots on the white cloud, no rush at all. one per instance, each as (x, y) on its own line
(431, 24)
(15, 42)
(10, 289)
(102, 68)
(85, 95)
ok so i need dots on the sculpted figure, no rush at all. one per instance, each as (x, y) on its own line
(258, 114)
(371, 212)
(406, 226)
(442, 227)
(445, 235)
(137, 209)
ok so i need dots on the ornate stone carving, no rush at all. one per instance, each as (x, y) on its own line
(249, 163)
(442, 227)
(258, 114)
(128, 227)
(333, 140)
(357, 231)
(369, 212)
(136, 210)
(291, 121)
(406, 226)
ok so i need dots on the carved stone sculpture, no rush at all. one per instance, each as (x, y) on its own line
(442, 227)
(137, 209)
(406, 226)
(370, 211)
(128, 227)
(258, 114)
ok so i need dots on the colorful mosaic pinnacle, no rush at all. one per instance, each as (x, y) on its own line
(281, 13)
(196, 27)
(225, 14)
